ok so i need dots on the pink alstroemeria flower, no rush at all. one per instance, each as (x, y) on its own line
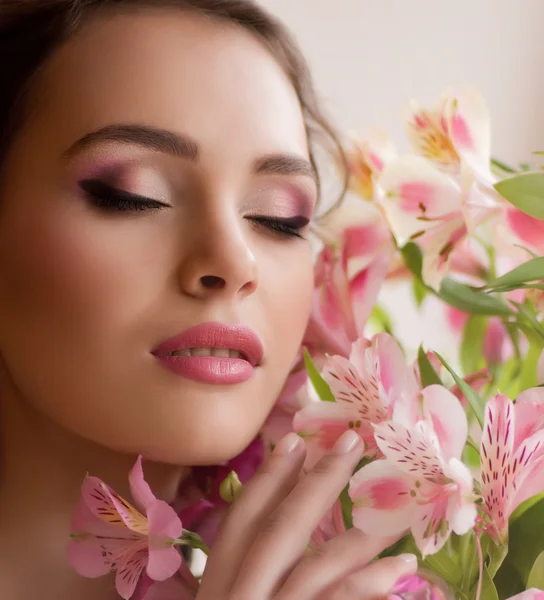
(111, 535)
(512, 456)
(427, 203)
(348, 277)
(421, 485)
(366, 159)
(429, 134)
(365, 387)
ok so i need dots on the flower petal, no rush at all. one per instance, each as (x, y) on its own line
(110, 507)
(91, 559)
(129, 572)
(461, 511)
(96, 544)
(529, 414)
(431, 528)
(163, 562)
(413, 450)
(529, 230)
(448, 419)
(378, 149)
(429, 135)
(365, 287)
(383, 503)
(496, 456)
(163, 521)
(532, 594)
(140, 490)
(438, 243)
(331, 326)
(394, 373)
(322, 423)
(417, 194)
(529, 454)
(470, 130)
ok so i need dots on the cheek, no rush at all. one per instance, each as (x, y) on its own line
(66, 278)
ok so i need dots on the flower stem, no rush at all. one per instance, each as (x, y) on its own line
(481, 564)
(193, 540)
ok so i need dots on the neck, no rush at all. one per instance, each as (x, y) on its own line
(42, 467)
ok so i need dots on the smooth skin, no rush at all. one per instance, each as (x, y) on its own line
(86, 294)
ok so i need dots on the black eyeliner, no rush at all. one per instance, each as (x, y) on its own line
(110, 198)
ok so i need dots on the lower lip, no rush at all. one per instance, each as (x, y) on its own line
(210, 369)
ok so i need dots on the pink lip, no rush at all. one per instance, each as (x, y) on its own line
(213, 369)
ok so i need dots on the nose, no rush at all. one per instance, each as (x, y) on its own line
(218, 262)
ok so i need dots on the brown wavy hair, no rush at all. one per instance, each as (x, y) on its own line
(31, 30)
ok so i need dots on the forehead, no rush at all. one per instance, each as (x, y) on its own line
(175, 70)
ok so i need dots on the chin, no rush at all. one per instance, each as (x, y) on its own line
(200, 442)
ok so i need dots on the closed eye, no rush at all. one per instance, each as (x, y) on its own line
(288, 227)
(110, 199)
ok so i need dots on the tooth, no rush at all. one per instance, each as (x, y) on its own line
(184, 352)
(234, 354)
(221, 352)
(201, 351)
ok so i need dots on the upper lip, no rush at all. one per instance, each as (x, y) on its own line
(216, 335)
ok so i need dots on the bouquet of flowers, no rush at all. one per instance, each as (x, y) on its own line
(454, 449)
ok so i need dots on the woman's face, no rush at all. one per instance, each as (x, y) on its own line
(197, 120)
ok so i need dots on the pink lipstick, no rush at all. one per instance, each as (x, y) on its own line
(212, 353)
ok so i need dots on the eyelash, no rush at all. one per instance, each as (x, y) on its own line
(114, 200)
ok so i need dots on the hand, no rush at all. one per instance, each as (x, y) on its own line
(261, 550)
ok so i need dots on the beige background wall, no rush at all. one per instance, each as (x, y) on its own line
(370, 57)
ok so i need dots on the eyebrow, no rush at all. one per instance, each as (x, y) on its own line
(180, 146)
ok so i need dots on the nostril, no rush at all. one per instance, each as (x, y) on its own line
(212, 282)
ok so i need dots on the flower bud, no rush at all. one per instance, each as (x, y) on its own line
(230, 488)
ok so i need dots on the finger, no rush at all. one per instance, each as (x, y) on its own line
(330, 562)
(284, 534)
(373, 582)
(261, 495)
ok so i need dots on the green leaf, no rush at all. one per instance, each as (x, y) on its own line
(508, 582)
(526, 541)
(489, 591)
(525, 192)
(426, 370)
(420, 291)
(471, 301)
(471, 351)
(477, 404)
(529, 272)
(502, 166)
(380, 320)
(525, 506)
(536, 576)
(413, 258)
(445, 567)
(321, 386)
(347, 508)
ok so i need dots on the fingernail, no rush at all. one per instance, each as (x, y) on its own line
(346, 442)
(409, 559)
(287, 444)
